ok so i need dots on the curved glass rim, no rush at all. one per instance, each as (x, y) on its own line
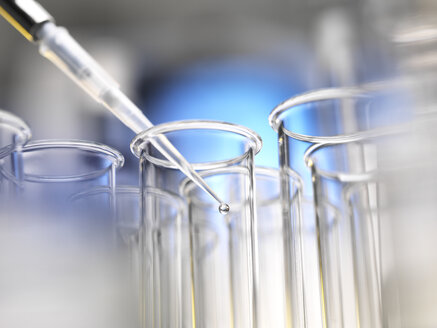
(130, 190)
(114, 156)
(332, 208)
(352, 188)
(315, 96)
(146, 136)
(98, 190)
(335, 174)
(22, 129)
(173, 199)
(187, 185)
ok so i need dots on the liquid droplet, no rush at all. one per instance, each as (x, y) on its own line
(224, 208)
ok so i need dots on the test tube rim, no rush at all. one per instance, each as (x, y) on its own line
(173, 199)
(146, 136)
(132, 190)
(113, 155)
(315, 96)
(119, 189)
(337, 175)
(19, 127)
(187, 185)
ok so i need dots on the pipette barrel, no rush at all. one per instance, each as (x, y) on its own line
(56, 44)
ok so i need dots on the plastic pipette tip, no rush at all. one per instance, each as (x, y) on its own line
(224, 208)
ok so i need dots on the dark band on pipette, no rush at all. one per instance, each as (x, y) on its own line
(25, 15)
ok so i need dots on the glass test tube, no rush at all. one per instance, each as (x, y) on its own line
(216, 289)
(60, 261)
(125, 219)
(348, 232)
(332, 115)
(14, 133)
(210, 145)
(280, 279)
(54, 170)
(164, 280)
(155, 270)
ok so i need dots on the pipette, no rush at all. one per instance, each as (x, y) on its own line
(57, 45)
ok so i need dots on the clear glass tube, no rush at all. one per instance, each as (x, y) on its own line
(62, 259)
(205, 144)
(211, 145)
(220, 292)
(334, 115)
(165, 278)
(14, 133)
(124, 223)
(51, 171)
(156, 238)
(348, 233)
(280, 285)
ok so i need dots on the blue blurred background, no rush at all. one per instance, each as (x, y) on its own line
(240, 90)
